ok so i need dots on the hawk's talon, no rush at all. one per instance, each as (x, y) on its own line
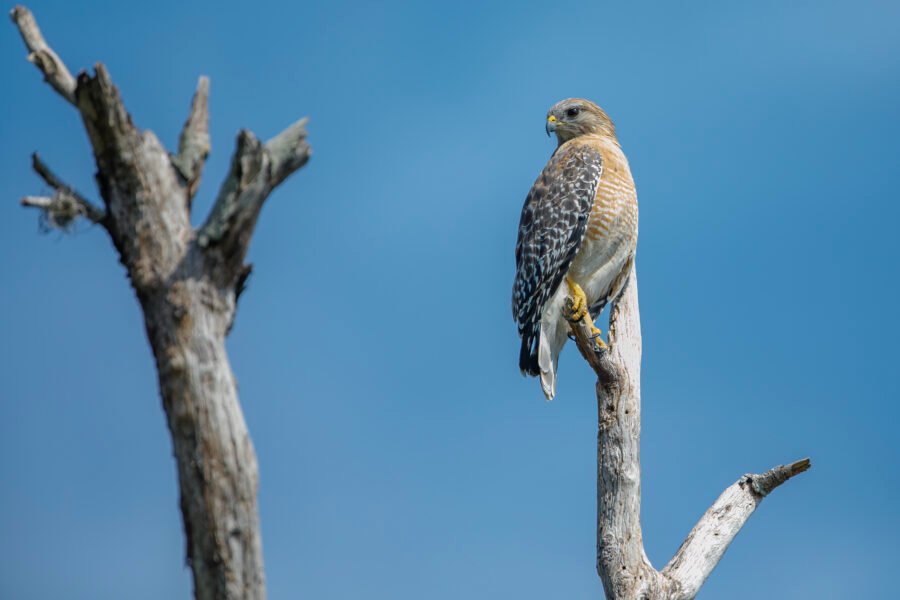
(579, 308)
(597, 336)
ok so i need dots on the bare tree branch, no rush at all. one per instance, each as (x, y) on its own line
(621, 562)
(256, 169)
(59, 211)
(42, 202)
(66, 204)
(242, 193)
(42, 56)
(709, 539)
(194, 143)
(289, 151)
(771, 479)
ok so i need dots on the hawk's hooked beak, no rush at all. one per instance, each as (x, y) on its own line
(551, 125)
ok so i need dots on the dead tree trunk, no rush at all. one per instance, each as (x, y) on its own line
(621, 562)
(187, 282)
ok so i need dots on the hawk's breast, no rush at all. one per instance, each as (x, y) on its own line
(611, 234)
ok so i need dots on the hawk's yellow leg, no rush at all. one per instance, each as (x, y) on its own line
(580, 310)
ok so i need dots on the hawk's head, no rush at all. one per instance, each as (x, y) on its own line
(576, 116)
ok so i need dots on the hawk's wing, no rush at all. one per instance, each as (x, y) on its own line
(551, 229)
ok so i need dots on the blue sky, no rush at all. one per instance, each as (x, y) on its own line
(402, 455)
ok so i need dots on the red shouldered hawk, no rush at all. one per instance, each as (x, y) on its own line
(579, 224)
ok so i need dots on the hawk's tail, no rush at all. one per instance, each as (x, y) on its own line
(540, 352)
(528, 355)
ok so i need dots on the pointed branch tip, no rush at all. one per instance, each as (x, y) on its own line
(194, 143)
(800, 466)
(289, 151)
(764, 483)
(709, 539)
(785, 472)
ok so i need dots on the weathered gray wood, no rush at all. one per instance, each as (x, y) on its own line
(194, 143)
(621, 561)
(186, 323)
(187, 292)
(256, 169)
(709, 539)
(42, 56)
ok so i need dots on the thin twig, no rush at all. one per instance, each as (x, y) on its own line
(64, 198)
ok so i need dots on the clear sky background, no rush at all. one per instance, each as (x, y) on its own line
(402, 455)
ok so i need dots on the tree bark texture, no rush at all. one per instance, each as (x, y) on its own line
(622, 564)
(187, 283)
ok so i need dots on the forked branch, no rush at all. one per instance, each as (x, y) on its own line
(256, 169)
(621, 562)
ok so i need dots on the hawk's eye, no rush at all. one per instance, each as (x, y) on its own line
(573, 112)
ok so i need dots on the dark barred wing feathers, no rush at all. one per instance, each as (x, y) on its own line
(552, 226)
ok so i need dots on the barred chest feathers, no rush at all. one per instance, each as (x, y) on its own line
(611, 234)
